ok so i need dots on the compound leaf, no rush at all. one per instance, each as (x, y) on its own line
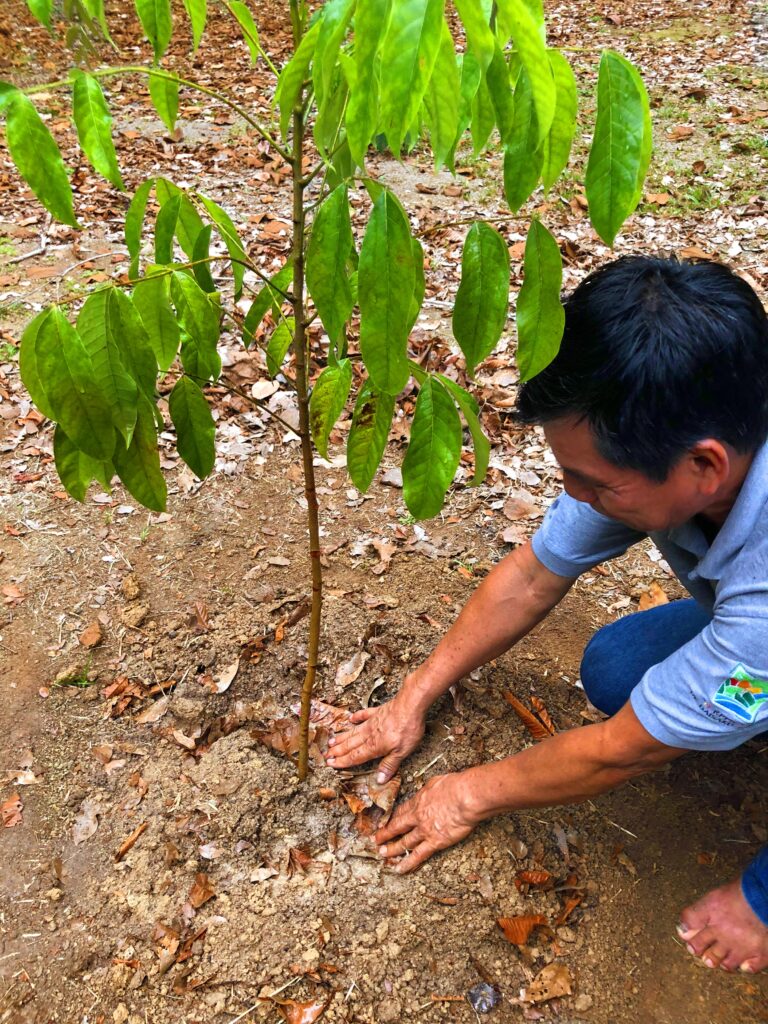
(368, 434)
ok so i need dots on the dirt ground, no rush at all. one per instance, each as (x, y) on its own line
(243, 884)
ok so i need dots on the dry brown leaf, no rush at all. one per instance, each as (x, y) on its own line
(10, 811)
(551, 982)
(103, 752)
(86, 820)
(299, 859)
(569, 905)
(294, 1012)
(350, 670)
(385, 551)
(11, 594)
(534, 879)
(128, 843)
(537, 722)
(227, 676)
(154, 712)
(517, 930)
(202, 890)
(519, 504)
(680, 131)
(653, 597)
(198, 618)
(91, 635)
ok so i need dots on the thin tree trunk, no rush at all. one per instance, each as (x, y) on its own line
(301, 355)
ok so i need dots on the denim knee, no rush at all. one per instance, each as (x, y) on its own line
(600, 674)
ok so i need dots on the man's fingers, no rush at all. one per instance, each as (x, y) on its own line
(387, 767)
(362, 716)
(405, 844)
(402, 821)
(415, 858)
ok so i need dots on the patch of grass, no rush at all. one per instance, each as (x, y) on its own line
(7, 351)
(10, 309)
(7, 247)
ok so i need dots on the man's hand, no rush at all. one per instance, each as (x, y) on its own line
(391, 732)
(437, 817)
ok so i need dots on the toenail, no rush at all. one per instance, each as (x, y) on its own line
(707, 962)
(690, 949)
(746, 968)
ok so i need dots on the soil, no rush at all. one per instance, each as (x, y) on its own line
(210, 912)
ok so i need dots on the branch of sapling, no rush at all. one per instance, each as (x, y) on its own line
(133, 69)
(223, 383)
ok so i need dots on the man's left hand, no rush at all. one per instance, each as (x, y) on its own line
(437, 817)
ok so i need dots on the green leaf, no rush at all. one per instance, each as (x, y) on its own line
(42, 10)
(621, 148)
(500, 91)
(329, 247)
(197, 12)
(408, 56)
(231, 239)
(139, 465)
(202, 270)
(330, 115)
(95, 9)
(483, 116)
(371, 19)
(189, 223)
(157, 22)
(109, 373)
(505, 14)
(523, 156)
(37, 157)
(333, 28)
(540, 314)
(479, 35)
(471, 410)
(386, 288)
(72, 394)
(557, 146)
(470, 83)
(126, 329)
(367, 440)
(28, 368)
(329, 396)
(442, 109)
(279, 343)
(165, 229)
(419, 283)
(293, 75)
(480, 311)
(76, 469)
(527, 36)
(93, 122)
(164, 93)
(434, 450)
(200, 317)
(134, 224)
(248, 25)
(152, 299)
(272, 294)
(195, 428)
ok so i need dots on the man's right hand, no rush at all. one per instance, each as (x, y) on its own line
(391, 732)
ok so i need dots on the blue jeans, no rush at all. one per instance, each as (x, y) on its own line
(616, 659)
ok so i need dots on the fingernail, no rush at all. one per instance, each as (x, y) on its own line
(383, 851)
(690, 949)
(381, 777)
(331, 741)
(331, 760)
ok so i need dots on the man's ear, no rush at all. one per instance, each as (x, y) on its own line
(710, 464)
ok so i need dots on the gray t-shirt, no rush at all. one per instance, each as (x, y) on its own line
(712, 693)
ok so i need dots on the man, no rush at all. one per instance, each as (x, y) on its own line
(656, 409)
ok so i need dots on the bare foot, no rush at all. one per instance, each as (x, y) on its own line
(724, 931)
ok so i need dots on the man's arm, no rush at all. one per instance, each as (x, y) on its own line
(515, 596)
(568, 768)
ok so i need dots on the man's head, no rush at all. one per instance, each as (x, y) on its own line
(659, 393)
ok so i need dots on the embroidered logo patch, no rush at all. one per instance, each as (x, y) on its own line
(743, 695)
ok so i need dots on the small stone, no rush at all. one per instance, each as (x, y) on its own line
(310, 956)
(130, 587)
(134, 615)
(389, 1010)
(483, 997)
(54, 895)
(582, 1003)
(91, 635)
(120, 1016)
(382, 930)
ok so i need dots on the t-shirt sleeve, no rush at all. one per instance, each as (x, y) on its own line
(573, 538)
(712, 693)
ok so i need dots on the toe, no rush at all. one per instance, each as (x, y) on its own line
(715, 955)
(692, 920)
(700, 942)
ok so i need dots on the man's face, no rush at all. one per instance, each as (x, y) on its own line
(623, 494)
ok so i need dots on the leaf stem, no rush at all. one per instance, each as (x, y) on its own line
(253, 39)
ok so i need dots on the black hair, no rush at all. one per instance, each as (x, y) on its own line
(658, 354)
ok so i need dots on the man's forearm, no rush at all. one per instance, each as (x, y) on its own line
(511, 600)
(598, 758)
